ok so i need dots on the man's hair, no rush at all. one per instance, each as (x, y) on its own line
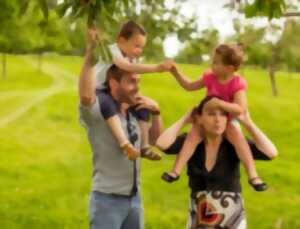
(230, 54)
(131, 28)
(114, 72)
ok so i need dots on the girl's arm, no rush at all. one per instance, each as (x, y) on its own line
(142, 68)
(238, 107)
(167, 138)
(262, 142)
(186, 83)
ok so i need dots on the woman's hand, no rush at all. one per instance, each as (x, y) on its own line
(148, 103)
(245, 119)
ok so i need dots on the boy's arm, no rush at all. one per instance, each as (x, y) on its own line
(186, 83)
(142, 68)
(87, 82)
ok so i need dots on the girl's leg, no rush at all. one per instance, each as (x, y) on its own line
(146, 151)
(192, 140)
(238, 140)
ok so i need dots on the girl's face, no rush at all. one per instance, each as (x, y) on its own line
(219, 68)
(213, 120)
(134, 46)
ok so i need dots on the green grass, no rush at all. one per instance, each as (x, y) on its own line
(45, 159)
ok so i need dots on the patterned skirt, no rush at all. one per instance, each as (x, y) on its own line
(216, 210)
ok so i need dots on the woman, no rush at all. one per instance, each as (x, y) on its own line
(213, 170)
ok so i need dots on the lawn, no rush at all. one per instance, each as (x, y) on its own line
(45, 158)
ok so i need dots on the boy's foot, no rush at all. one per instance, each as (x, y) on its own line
(170, 177)
(131, 152)
(149, 154)
(258, 184)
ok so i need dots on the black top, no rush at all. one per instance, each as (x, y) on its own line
(225, 174)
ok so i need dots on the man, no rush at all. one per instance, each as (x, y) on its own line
(115, 199)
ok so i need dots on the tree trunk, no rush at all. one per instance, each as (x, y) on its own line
(40, 61)
(272, 78)
(4, 66)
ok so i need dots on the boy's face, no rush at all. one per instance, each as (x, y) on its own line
(134, 46)
(219, 68)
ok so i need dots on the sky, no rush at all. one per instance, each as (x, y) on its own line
(212, 14)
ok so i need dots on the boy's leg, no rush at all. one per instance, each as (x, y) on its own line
(238, 140)
(109, 111)
(146, 151)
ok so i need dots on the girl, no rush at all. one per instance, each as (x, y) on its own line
(224, 83)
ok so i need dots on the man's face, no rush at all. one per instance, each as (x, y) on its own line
(128, 88)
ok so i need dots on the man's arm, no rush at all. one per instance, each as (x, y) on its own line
(87, 84)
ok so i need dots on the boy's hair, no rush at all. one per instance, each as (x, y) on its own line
(131, 28)
(114, 72)
(231, 54)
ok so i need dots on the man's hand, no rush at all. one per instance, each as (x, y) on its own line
(92, 37)
(148, 103)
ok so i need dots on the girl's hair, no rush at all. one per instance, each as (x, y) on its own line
(231, 54)
(199, 109)
(131, 28)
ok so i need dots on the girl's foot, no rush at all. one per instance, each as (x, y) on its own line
(149, 154)
(131, 152)
(170, 177)
(258, 184)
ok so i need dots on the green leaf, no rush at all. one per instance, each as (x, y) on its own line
(44, 7)
(24, 7)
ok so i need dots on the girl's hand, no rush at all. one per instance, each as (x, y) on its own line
(214, 103)
(165, 65)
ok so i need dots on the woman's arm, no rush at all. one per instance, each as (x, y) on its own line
(262, 142)
(143, 68)
(168, 137)
(186, 83)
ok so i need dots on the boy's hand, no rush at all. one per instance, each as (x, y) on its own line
(165, 65)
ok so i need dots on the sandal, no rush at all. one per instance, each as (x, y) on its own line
(149, 154)
(169, 178)
(258, 187)
(131, 152)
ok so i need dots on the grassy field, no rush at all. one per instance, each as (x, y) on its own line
(45, 159)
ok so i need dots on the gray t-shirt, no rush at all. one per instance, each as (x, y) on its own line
(113, 172)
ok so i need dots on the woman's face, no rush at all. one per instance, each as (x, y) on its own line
(213, 120)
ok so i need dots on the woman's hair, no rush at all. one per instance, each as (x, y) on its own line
(131, 28)
(199, 109)
(231, 54)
